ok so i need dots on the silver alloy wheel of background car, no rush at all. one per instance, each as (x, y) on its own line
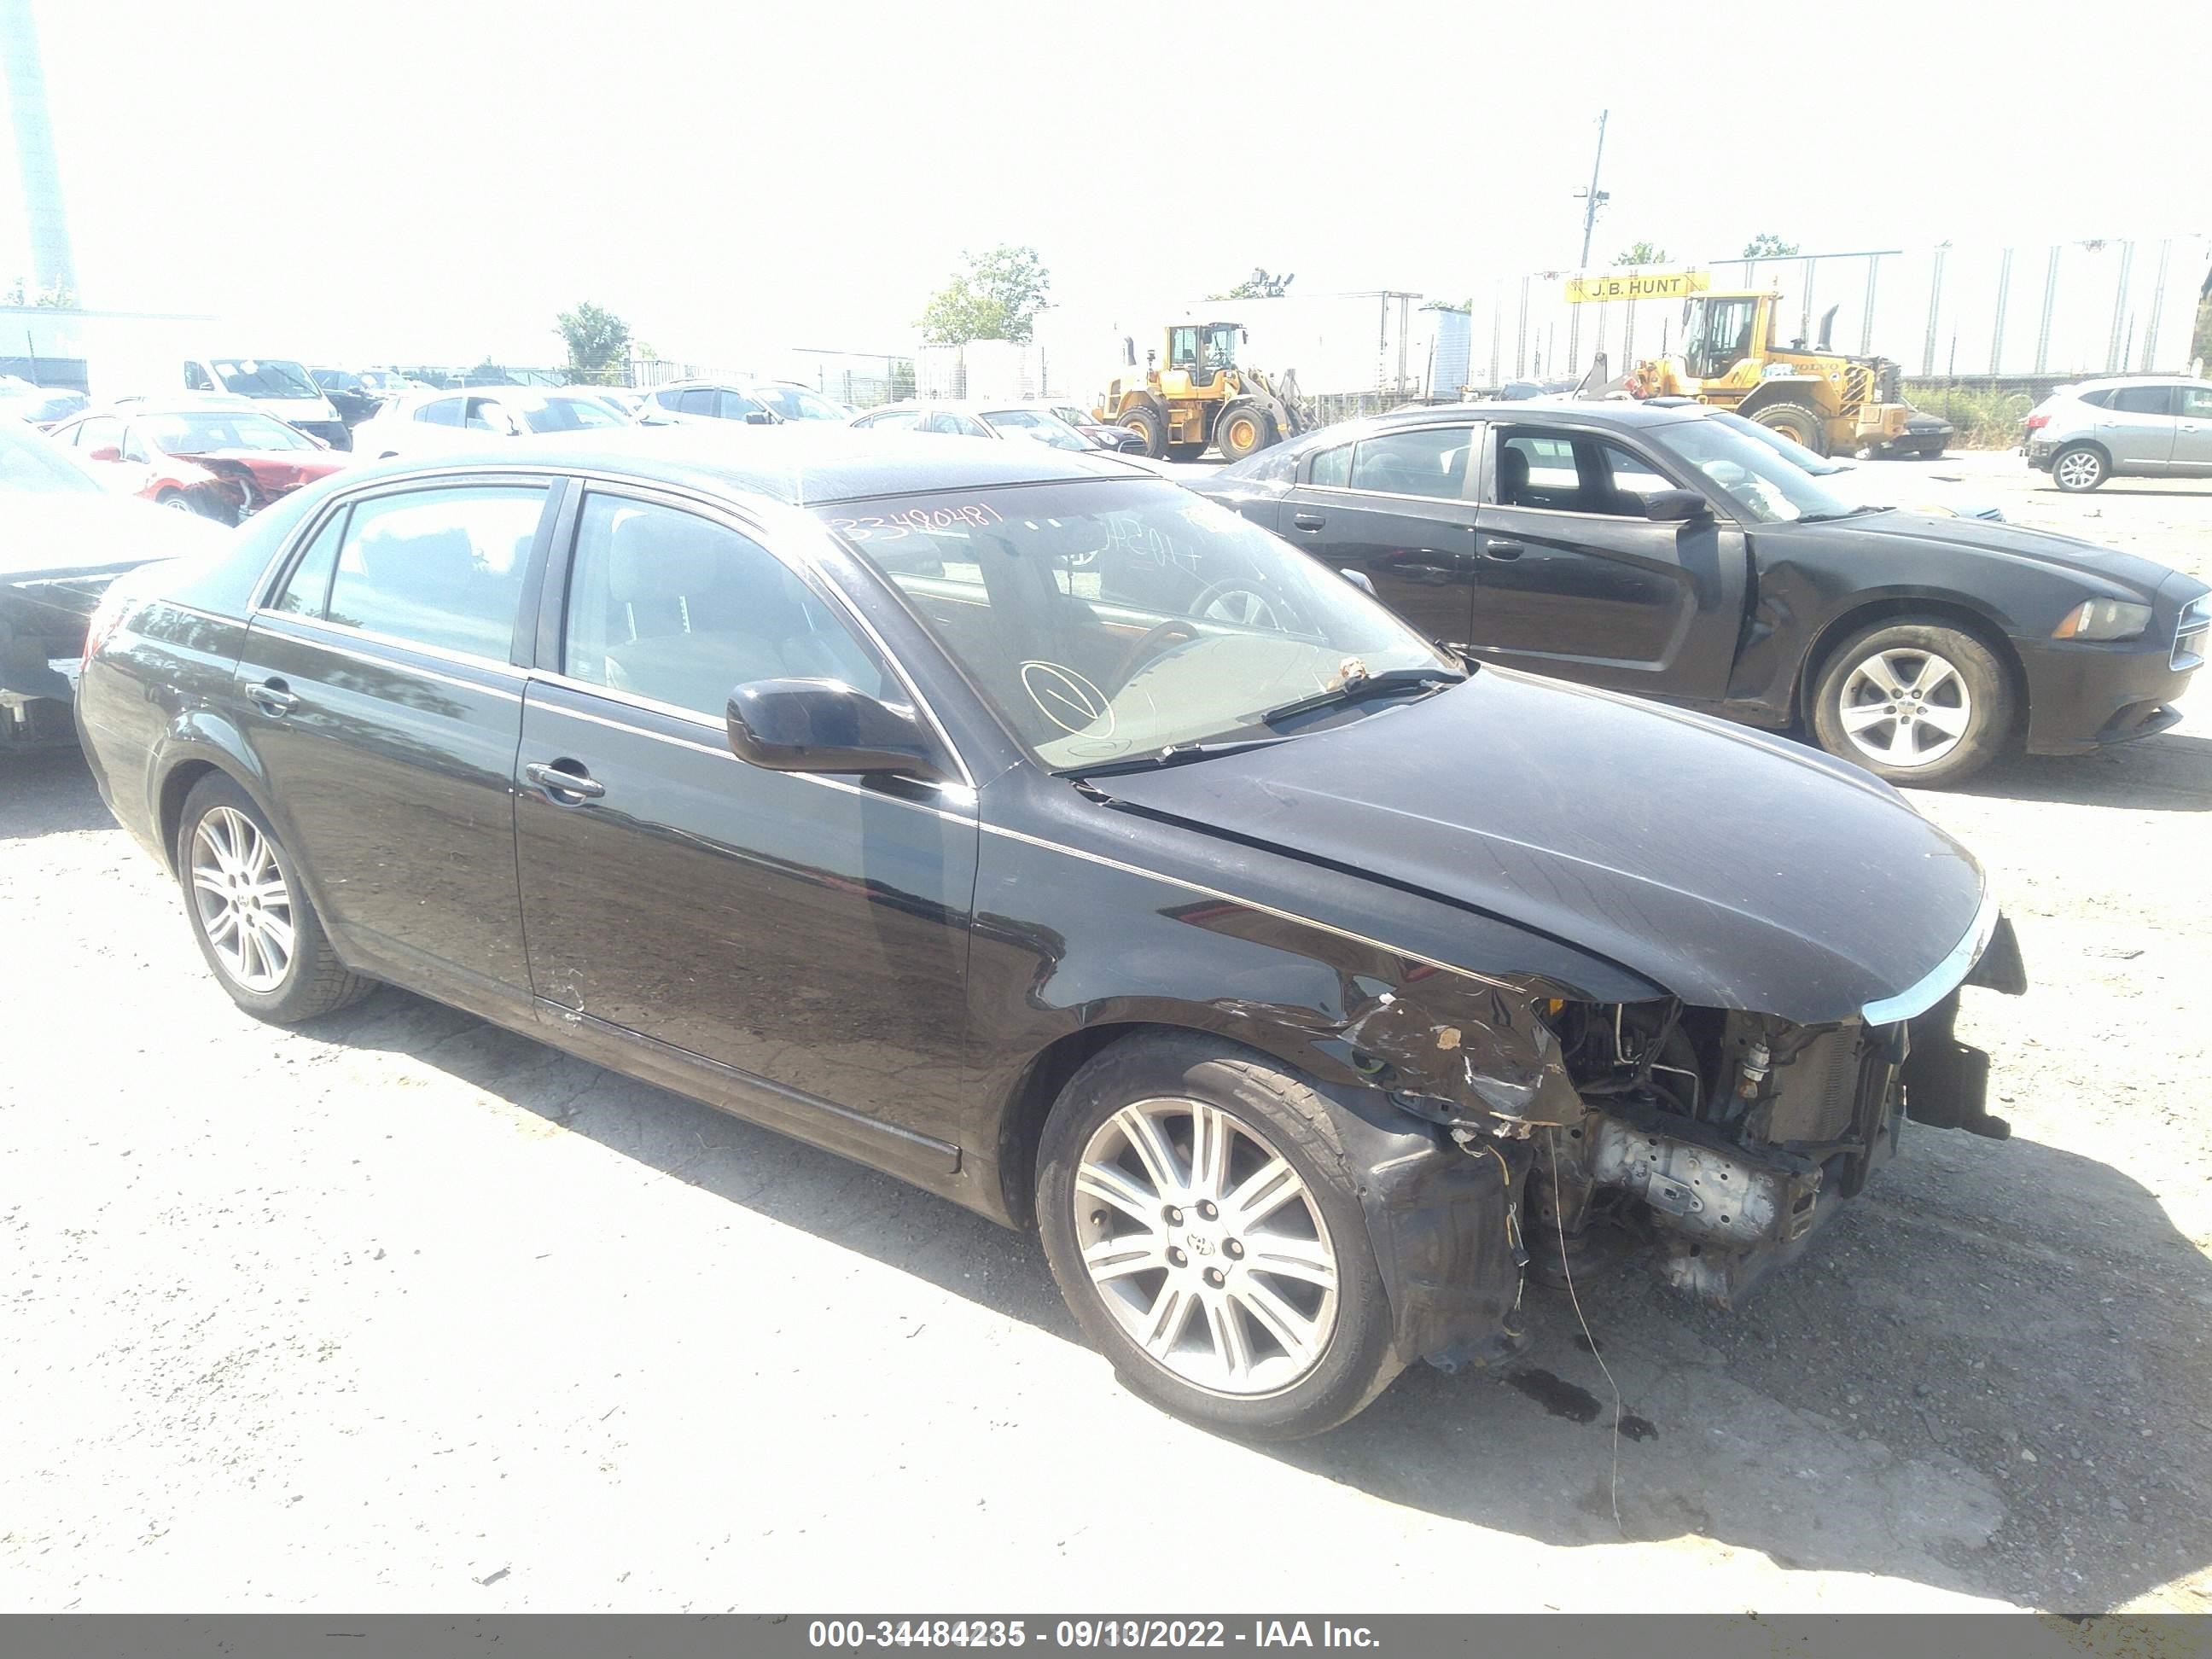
(1245, 607)
(1204, 1245)
(2078, 469)
(1905, 708)
(244, 902)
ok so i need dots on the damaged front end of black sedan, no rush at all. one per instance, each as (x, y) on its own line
(1709, 1030)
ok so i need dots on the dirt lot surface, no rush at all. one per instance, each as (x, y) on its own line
(401, 1311)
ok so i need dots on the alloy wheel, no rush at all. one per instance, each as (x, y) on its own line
(2079, 469)
(243, 903)
(1905, 708)
(1243, 606)
(1206, 1247)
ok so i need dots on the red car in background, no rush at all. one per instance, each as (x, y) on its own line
(224, 461)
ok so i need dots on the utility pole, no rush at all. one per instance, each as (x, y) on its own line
(1593, 199)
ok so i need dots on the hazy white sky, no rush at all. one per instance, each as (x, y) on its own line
(394, 180)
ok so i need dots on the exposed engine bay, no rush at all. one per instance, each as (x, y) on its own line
(1723, 1138)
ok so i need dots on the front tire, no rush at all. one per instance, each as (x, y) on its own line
(1915, 701)
(1795, 422)
(1202, 1222)
(1147, 423)
(2079, 468)
(1243, 429)
(250, 917)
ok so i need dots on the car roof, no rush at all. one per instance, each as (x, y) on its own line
(801, 463)
(2103, 380)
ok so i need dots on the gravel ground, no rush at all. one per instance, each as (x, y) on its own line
(405, 1312)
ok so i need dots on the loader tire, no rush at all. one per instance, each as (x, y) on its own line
(1796, 423)
(1147, 424)
(1243, 429)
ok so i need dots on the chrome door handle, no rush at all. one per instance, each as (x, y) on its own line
(558, 781)
(1503, 550)
(1306, 520)
(272, 697)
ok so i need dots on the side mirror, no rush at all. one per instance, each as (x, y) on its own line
(1676, 506)
(825, 725)
(104, 453)
(1360, 579)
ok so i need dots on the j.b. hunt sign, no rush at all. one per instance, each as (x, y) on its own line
(1637, 285)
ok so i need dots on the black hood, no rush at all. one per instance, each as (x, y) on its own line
(1737, 870)
(2016, 542)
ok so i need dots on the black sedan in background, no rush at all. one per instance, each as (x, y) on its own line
(1658, 552)
(1036, 831)
(63, 540)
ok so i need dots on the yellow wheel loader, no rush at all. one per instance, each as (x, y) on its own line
(1732, 356)
(1200, 396)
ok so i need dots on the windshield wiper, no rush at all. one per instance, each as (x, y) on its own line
(1175, 754)
(1387, 683)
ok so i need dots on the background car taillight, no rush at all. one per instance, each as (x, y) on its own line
(2036, 423)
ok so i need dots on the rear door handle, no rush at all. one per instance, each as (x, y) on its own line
(557, 780)
(1503, 550)
(1307, 520)
(272, 697)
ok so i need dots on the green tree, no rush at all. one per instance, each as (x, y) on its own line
(1641, 253)
(997, 297)
(598, 341)
(1767, 245)
(1260, 285)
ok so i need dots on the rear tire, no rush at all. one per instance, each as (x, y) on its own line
(1915, 701)
(1147, 423)
(1243, 429)
(249, 915)
(2079, 468)
(1796, 423)
(1162, 1255)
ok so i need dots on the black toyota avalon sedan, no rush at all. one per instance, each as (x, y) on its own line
(1061, 842)
(1656, 550)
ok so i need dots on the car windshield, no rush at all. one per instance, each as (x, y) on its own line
(1031, 424)
(567, 414)
(1761, 484)
(197, 433)
(1116, 618)
(263, 377)
(44, 406)
(796, 404)
(33, 463)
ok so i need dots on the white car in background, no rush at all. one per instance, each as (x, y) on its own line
(278, 386)
(2126, 426)
(467, 417)
(621, 400)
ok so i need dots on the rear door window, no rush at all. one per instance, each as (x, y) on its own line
(439, 568)
(307, 591)
(1332, 468)
(699, 400)
(1428, 460)
(444, 411)
(2143, 400)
